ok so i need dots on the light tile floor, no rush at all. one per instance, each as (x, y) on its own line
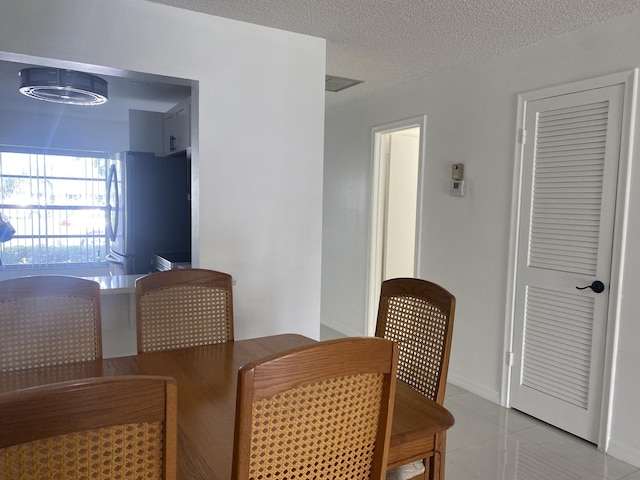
(489, 442)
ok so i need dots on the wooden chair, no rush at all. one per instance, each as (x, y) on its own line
(418, 316)
(183, 308)
(49, 320)
(106, 427)
(322, 411)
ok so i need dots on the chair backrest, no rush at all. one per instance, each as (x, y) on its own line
(107, 427)
(183, 308)
(418, 316)
(49, 320)
(321, 411)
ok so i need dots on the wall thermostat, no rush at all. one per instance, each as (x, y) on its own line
(457, 188)
(457, 171)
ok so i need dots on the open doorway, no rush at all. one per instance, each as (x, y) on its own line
(396, 191)
(56, 156)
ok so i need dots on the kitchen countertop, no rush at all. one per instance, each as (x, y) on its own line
(117, 283)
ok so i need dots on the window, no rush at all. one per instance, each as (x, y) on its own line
(56, 203)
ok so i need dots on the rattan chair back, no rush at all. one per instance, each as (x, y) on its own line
(322, 411)
(49, 320)
(96, 428)
(183, 308)
(418, 316)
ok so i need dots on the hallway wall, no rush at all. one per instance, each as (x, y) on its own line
(471, 119)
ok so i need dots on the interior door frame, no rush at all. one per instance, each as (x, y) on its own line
(629, 79)
(378, 204)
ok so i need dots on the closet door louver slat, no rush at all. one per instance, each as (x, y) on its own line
(557, 355)
(566, 194)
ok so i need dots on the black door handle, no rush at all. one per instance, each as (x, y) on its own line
(597, 286)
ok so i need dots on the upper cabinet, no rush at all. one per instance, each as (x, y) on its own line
(146, 132)
(177, 128)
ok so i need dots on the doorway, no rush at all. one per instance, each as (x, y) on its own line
(396, 192)
(573, 150)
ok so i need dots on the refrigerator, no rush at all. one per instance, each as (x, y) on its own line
(148, 210)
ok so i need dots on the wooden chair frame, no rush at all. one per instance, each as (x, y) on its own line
(174, 317)
(40, 425)
(73, 334)
(287, 375)
(418, 306)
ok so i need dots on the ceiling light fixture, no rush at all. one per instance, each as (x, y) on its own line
(63, 86)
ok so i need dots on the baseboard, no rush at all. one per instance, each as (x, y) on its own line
(624, 453)
(486, 393)
(347, 332)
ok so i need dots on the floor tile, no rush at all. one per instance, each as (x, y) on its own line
(579, 451)
(453, 472)
(489, 442)
(470, 428)
(512, 457)
(633, 476)
(327, 333)
(453, 390)
(509, 419)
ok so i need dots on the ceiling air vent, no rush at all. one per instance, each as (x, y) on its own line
(335, 84)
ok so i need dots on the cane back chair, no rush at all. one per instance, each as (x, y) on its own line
(418, 316)
(321, 411)
(183, 308)
(49, 320)
(96, 428)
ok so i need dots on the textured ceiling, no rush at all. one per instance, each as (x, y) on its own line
(390, 42)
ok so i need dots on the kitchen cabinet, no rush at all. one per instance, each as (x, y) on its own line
(146, 132)
(177, 128)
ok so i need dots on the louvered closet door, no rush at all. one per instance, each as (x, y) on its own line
(570, 167)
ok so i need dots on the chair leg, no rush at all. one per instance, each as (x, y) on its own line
(437, 461)
(434, 465)
(427, 469)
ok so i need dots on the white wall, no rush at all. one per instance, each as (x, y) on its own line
(257, 159)
(471, 119)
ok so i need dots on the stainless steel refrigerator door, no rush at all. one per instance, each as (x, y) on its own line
(149, 207)
(113, 203)
(117, 207)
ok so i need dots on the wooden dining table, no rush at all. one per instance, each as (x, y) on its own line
(207, 382)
